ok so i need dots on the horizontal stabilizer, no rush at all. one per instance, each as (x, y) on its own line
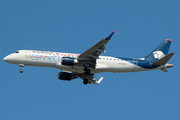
(163, 60)
(163, 69)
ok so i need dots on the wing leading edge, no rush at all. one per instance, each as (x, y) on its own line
(93, 53)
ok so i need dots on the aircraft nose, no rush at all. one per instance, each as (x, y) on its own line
(5, 59)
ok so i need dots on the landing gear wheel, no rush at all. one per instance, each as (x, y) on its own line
(85, 81)
(88, 71)
(21, 71)
(22, 66)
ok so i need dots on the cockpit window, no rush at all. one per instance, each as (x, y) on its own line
(17, 52)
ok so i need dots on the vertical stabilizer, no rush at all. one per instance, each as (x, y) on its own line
(160, 51)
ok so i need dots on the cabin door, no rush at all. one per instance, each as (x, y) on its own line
(135, 61)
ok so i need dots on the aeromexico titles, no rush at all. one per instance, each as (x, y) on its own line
(88, 63)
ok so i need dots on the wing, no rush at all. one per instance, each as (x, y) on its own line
(88, 59)
(93, 53)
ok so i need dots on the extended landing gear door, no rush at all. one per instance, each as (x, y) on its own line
(135, 61)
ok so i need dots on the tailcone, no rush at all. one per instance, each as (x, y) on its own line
(168, 65)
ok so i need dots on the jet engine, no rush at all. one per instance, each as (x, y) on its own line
(66, 76)
(68, 61)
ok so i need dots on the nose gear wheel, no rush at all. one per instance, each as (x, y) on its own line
(22, 66)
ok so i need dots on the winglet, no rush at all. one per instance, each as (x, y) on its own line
(99, 80)
(109, 37)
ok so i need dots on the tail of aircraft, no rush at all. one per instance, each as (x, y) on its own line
(160, 51)
(160, 56)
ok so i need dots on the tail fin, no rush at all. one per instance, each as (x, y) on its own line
(160, 51)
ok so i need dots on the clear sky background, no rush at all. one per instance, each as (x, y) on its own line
(74, 26)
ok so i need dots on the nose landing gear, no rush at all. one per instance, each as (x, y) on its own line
(21, 71)
(22, 66)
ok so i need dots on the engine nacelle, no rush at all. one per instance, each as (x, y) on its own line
(68, 61)
(66, 76)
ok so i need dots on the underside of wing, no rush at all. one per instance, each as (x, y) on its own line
(90, 56)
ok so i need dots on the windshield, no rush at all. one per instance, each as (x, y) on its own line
(17, 52)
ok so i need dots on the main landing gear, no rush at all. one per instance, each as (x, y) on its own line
(85, 81)
(22, 66)
(87, 72)
(86, 69)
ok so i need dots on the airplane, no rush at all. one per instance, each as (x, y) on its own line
(88, 63)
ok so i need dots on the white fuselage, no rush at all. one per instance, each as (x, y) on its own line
(53, 59)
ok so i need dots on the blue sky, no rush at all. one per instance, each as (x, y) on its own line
(75, 26)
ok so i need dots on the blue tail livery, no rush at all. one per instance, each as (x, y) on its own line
(160, 51)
